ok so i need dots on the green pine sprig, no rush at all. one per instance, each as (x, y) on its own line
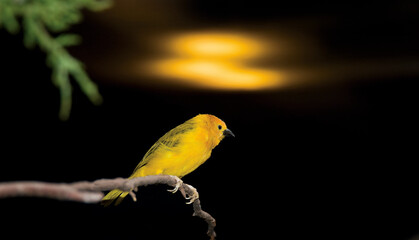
(38, 18)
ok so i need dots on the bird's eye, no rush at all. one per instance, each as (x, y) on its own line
(219, 127)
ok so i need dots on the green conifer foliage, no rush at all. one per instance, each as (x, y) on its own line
(42, 22)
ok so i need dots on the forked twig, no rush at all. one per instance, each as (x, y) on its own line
(91, 192)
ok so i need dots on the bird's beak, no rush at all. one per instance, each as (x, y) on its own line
(228, 132)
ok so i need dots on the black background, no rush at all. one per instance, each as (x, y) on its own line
(333, 160)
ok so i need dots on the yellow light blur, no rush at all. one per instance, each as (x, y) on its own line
(215, 45)
(216, 60)
(216, 74)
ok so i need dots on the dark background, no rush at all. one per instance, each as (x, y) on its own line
(332, 158)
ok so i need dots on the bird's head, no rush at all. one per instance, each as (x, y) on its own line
(217, 128)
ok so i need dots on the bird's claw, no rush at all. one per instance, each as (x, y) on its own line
(191, 197)
(179, 183)
(194, 196)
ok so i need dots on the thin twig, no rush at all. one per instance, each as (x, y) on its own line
(57, 191)
(206, 216)
(91, 192)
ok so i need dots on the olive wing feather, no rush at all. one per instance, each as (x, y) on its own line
(167, 142)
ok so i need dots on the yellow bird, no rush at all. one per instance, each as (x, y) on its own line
(179, 152)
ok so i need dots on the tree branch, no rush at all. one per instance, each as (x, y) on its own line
(91, 192)
(48, 190)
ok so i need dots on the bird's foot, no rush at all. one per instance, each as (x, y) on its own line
(194, 196)
(179, 183)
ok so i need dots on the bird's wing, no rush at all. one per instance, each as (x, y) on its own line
(170, 140)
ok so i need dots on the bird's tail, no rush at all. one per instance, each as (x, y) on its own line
(115, 195)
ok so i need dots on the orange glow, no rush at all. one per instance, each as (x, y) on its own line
(216, 74)
(216, 60)
(215, 45)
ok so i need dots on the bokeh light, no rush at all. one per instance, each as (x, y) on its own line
(215, 60)
(216, 45)
(216, 74)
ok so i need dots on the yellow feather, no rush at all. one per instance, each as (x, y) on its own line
(179, 152)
